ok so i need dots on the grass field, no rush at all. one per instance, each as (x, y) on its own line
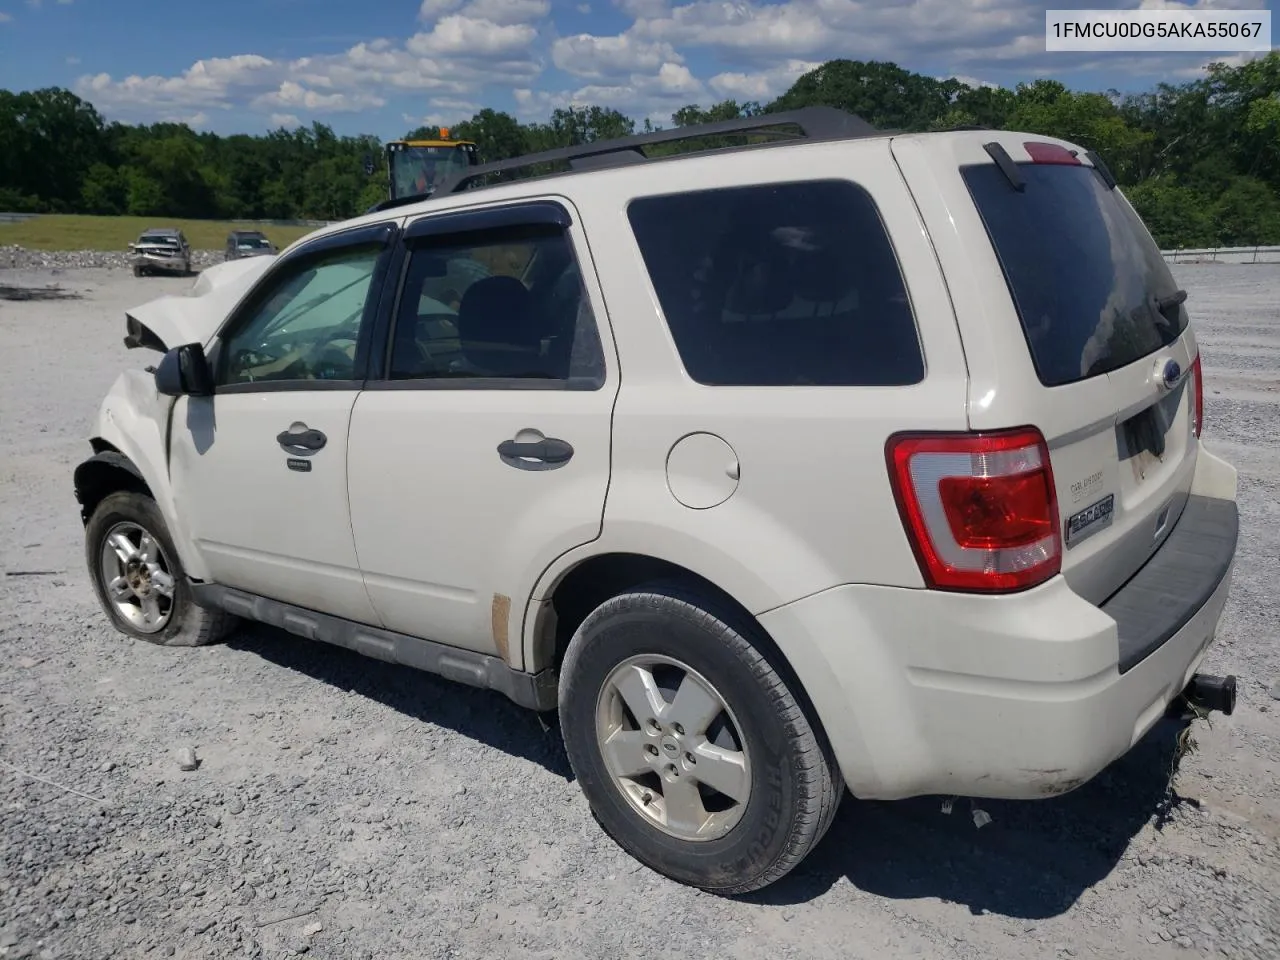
(58, 232)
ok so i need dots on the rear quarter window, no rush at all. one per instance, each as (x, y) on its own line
(789, 284)
(1084, 273)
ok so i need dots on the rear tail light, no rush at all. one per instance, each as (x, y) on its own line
(1197, 384)
(980, 508)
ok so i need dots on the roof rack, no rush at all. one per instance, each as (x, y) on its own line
(815, 123)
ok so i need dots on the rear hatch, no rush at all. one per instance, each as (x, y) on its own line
(1074, 324)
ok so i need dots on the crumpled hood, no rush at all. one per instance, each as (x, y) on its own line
(194, 317)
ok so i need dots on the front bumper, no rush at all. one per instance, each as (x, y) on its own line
(1020, 696)
(171, 264)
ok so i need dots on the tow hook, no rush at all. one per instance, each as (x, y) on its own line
(1212, 693)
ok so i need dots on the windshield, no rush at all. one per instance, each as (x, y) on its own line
(415, 170)
(251, 243)
(162, 239)
(1091, 288)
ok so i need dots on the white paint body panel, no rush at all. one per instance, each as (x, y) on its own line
(813, 507)
(258, 525)
(196, 316)
(451, 548)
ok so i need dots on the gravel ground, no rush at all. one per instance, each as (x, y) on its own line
(343, 808)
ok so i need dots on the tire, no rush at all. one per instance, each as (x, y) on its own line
(175, 620)
(763, 741)
(137, 270)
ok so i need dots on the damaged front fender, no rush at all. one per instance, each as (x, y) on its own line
(133, 423)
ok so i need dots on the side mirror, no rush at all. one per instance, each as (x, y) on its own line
(184, 371)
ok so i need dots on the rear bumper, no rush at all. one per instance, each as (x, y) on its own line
(1022, 696)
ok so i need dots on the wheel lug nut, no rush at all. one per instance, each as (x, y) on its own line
(650, 749)
(679, 730)
(690, 759)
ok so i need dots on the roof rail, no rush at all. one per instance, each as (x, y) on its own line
(815, 123)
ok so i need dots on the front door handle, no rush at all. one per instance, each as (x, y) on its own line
(536, 455)
(304, 439)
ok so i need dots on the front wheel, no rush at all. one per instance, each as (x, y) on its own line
(139, 579)
(692, 751)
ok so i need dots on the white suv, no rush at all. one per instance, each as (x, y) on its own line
(857, 458)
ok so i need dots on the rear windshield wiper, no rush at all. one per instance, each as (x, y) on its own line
(1177, 298)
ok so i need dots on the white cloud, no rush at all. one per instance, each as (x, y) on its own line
(656, 94)
(762, 85)
(583, 8)
(431, 9)
(194, 120)
(462, 106)
(73, 61)
(504, 12)
(207, 83)
(458, 58)
(640, 9)
(585, 55)
(462, 37)
(763, 34)
(970, 81)
(5, 17)
(285, 120)
(293, 94)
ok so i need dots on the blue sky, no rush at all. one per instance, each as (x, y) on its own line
(384, 66)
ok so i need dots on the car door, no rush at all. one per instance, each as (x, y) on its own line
(480, 451)
(259, 467)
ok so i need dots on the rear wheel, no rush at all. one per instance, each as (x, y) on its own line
(693, 753)
(139, 578)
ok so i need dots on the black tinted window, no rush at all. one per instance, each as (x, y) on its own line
(780, 285)
(503, 304)
(1086, 276)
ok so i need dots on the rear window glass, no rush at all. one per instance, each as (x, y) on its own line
(780, 285)
(1085, 275)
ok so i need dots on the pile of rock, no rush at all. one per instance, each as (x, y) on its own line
(20, 258)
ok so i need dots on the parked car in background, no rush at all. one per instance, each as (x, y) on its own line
(164, 249)
(248, 243)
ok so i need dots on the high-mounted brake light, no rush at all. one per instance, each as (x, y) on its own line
(1050, 153)
(980, 509)
(1197, 384)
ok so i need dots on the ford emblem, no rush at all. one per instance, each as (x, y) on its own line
(1170, 374)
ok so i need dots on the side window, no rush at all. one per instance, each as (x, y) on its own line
(789, 284)
(306, 325)
(500, 304)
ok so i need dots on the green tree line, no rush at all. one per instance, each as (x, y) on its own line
(1200, 159)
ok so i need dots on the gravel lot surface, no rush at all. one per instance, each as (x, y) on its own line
(342, 808)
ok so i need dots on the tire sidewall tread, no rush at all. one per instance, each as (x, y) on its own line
(795, 783)
(190, 624)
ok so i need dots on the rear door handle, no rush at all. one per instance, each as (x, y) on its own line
(304, 439)
(542, 454)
